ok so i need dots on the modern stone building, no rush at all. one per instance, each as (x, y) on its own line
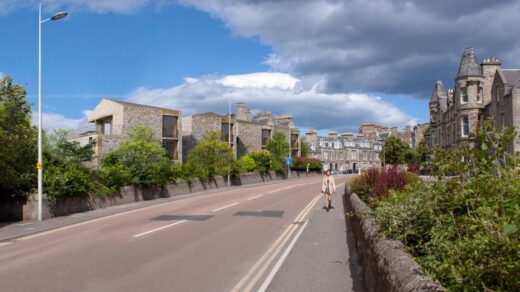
(344, 152)
(247, 133)
(113, 119)
(481, 91)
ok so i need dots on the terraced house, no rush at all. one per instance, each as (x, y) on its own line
(344, 152)
(481, 91)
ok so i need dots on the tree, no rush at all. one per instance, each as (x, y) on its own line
(395, 151)
(60, 148)
(305, 150)
(142, 157)
(18, 141)
(210, 157)
(279, 148)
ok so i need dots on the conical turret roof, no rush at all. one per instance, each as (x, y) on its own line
(469, 65)
(439, 93)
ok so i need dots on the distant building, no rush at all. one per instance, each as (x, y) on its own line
(375, 132)
(247, 133)
(481, 91)
(113, 119)
(344, 152)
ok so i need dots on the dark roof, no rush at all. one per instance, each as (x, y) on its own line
(211, 114)
(139, 105)
(512, 76)
(469, 65)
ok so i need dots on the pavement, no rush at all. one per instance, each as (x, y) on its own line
(265, 237)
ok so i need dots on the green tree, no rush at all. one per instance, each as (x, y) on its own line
(18, 141)
(263, 160)
(279, 148)
(143, 158)
(248, 163)
(395, 151)
(210, 157)
(60, 148)
(305, 150)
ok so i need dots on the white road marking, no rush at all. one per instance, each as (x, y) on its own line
(160, 228)
(252, 198)
(281, 260)
(222, 208)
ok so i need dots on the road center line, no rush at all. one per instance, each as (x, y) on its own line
(280, 261)
(222, 208)
(160, 228)
(252, 198)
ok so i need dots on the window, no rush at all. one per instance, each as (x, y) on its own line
(325, 155)
(171, 148)
(464, 126)
(463, 95)
(479, 95)
(353, 155)
(294, 141)
(266, 136)
(225, 132)
(169, 126)
(107, 127)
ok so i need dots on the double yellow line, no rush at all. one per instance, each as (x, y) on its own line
(256, 272)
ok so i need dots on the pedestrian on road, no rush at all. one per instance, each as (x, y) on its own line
(328, 186)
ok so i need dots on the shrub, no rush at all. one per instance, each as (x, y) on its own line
(300, 163)
(114, 177)
(210, 157)
(463, 230)
(65, 179)
(263, 160)
(248, 163)
(377, 182)
(359, 186)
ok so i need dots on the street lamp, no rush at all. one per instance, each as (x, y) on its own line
(39, 165)
(229, 138)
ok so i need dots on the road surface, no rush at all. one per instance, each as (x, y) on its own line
(225, 241)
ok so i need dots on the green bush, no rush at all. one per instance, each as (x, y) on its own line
(263, 160)
(300, 163)
(359, 186)
(463, 230)
(248, 163)
(210, 157)
(66, 179)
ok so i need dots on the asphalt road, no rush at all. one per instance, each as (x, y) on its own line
(226, 241)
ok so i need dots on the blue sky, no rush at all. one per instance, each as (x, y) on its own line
(332, 64)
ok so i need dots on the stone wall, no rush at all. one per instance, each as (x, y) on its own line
(27, 209)
(385, 263)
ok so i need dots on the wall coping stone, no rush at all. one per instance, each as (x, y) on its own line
(386, 265)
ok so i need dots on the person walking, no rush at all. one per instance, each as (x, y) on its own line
(328, 186)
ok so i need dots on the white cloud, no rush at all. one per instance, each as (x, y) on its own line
(51, 120)
(279, 93)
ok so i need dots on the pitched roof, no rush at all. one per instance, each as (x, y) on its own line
(438, 92)
(139, 105)
(469, 65)
(512, 76)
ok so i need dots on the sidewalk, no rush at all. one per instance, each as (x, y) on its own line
(324, 257)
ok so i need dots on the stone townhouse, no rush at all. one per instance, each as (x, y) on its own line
(344, 152)
(113, 119)
(481, 91)
(375, 132)
(247, 133)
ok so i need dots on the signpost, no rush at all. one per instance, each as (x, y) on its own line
(288, 161)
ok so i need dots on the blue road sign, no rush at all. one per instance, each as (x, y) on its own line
(288, 160)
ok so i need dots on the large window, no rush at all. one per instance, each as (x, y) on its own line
(266, 136)
(464, 123)
(225, 132)
(169, 126)
(171, 148)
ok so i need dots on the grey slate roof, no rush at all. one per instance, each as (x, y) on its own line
(439, 95)
(512, 76)
(469, 65)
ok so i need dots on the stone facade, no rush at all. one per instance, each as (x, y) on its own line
(375, 132)
(481, 91)
(247, 133)
(419, 131)
(344, 152)
(114, 119)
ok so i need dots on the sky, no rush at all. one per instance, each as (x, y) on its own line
(332, 64)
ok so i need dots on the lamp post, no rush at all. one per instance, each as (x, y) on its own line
(229, 139)
(39, 165)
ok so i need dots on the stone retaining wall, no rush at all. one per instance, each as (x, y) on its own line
(386, 264)
(27, 210)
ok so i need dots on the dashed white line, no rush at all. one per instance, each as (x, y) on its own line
(222, 208)
(252, 198)
(160, 228)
